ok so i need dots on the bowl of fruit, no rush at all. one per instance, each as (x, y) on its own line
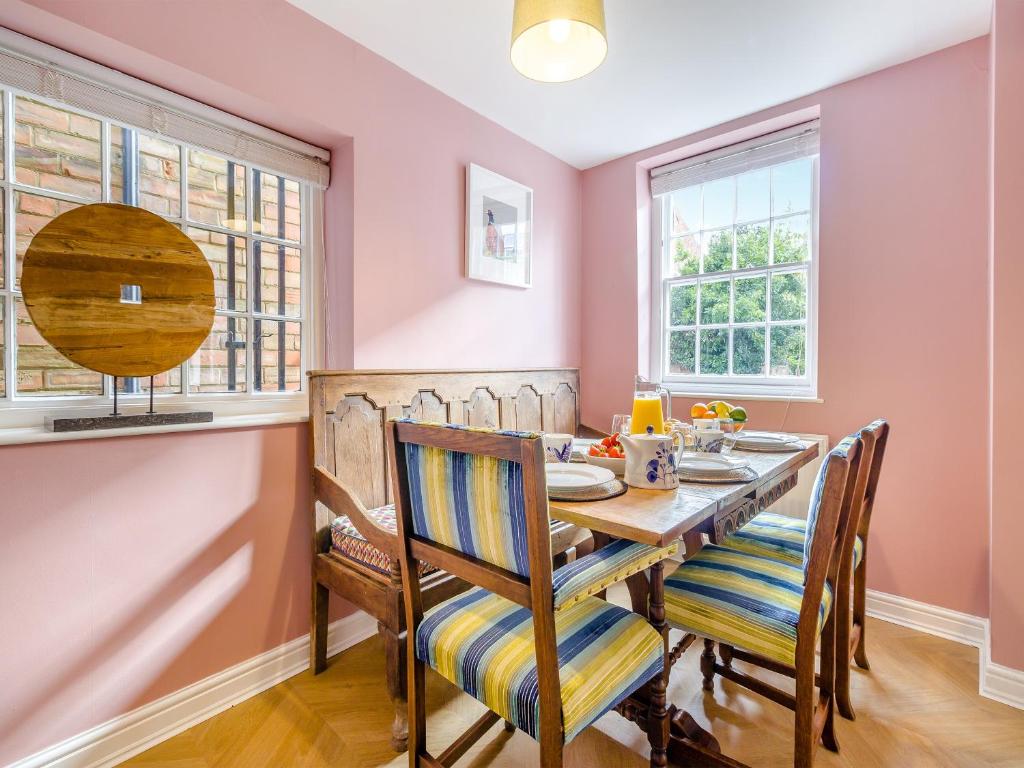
(608, 453)
(729, 418)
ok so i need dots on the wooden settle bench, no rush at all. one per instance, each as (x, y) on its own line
(354, 539)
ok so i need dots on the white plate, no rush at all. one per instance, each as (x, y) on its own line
(576, 475)
(766, 438)
(711, 462)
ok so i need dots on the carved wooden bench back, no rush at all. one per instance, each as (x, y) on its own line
(348, 411)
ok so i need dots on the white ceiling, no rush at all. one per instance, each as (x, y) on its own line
(673, 66)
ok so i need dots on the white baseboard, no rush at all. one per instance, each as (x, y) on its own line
(125, 736)
(995, 681)
(1001, 683)
(931, 619)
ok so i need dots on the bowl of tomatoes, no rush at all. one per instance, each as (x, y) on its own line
(608, 453)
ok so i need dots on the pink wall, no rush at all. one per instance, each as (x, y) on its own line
(903, 294)
(1007, 598)
(132, 567)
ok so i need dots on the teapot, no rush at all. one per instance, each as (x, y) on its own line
(651, 460)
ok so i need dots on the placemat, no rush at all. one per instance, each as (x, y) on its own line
(741, 475)
(608, 490)
(780, 448)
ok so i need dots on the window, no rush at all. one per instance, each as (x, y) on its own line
(736, 270)
(250, 219)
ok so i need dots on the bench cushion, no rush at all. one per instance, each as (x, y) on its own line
(347, 542)
(597, 571)
(484, 644)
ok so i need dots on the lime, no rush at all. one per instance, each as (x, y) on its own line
(738, 414)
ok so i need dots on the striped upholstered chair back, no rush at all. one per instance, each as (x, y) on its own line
(472, 503)
(828, 517)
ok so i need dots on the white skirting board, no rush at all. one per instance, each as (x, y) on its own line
(123, 737)
(995, 681)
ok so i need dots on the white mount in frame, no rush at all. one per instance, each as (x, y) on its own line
(499, 228)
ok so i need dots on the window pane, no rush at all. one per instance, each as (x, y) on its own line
(792, 239)
(166, 383)
(2, 123)
(219, 364)
(789, 296)
(748, 351)
(216, 191)
(718, 250)
(269, 191)
(3, 240)
(682, 305)
(277, 356)
(685, 211)
(3, 351)
(752, 245)
(753, 195)
(788, 351)
(33, 212)
(226, 254)
(685, 255)
(682, 352)
(42, 370)
(714, 351)
(56, 149)
(714, 302)
(157, 178)
(751, 293)
(719, 203)
(791, 187)
(278, 291)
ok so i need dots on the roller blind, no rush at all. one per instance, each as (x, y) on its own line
(789, 144)
(57, 75)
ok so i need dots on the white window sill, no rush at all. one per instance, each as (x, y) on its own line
(39, 434)
(676, 392)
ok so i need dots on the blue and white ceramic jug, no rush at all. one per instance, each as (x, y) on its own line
(650, 461)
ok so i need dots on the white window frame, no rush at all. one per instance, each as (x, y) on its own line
(21, 416)
(737, 386)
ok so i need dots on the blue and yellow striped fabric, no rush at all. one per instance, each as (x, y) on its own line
(741, 599)
(484, 644)
(469, 502)
(608, 565)
(780, 537)
(841, 450)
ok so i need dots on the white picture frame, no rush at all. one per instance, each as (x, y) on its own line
(499, 228)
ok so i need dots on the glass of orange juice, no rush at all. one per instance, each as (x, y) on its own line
(647, 412)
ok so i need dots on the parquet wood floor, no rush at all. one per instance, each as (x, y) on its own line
(918, 707)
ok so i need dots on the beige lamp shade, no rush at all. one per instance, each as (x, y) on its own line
(555, 41)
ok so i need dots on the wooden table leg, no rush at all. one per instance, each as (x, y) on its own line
(657, 720)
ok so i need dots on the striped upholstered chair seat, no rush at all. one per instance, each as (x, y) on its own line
(780, 537)
(740, 599)
(484, 644)
(597, 571)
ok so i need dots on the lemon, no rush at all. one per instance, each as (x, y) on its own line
(722, 409)
(738, 414)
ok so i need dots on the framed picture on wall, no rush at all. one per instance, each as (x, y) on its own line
(499, 228)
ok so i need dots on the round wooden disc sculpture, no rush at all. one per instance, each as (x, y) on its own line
(118, 290)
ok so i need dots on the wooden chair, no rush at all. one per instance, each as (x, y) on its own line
(771, 613)
(355, 551)
(543, 655)
(782, 537)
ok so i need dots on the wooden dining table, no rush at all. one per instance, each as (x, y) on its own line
(691, 513)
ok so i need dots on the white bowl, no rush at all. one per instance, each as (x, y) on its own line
(618, 466)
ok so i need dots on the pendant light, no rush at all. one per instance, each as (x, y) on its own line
(555, 41)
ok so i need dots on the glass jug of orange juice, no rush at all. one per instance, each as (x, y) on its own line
(652, 407)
